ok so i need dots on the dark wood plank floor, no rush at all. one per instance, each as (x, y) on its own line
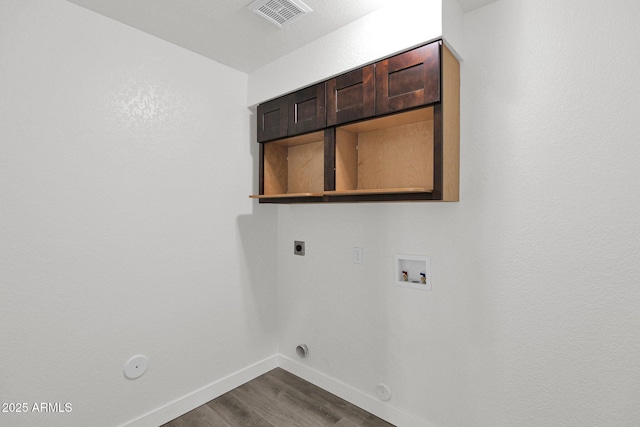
(278, 399)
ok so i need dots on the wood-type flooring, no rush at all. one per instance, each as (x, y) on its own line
(278, 399)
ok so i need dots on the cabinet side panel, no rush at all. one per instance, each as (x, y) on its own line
(275, 169)
(332, 102)
(329, 159)
(261, 170)
(306, 168)
(346, 160)
(451, 127)
(397, 157)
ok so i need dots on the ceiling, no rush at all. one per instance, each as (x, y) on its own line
(227, 32)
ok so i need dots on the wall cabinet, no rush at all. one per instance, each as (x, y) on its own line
(351, 96)
(307, 110)
(408, 80)
(299, 112)
(272, 119)
(390, 133)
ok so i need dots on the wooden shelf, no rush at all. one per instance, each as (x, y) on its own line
(283, 195)
(379, 191)
(345, 193)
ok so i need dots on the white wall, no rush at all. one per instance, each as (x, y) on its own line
(124, 168)
(125, 226)
(452, 27)
(534, 314)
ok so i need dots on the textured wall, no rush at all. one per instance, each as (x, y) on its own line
(533, 319)
(125, 226)
(551, 137)
(124, 168)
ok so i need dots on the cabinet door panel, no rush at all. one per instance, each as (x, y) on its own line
(408, 80)
(272, 119)
(307, 110)
(351, 96)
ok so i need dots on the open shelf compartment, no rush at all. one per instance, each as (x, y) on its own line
(294, 167)
(388, 155)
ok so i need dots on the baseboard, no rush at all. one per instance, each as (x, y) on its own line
(199, 397)
(191, 401)
(368, 403)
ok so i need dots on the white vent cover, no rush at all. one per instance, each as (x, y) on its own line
(279, 12)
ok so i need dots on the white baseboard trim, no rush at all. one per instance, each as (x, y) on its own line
(191, 401)
(367, 402)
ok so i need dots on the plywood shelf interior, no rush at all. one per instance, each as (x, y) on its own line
(378, 191)
(391, 154)
(287, 195)
(294, 167)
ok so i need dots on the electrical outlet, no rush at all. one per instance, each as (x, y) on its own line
(298, 247)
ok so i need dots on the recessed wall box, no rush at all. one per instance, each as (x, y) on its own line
(413, 271)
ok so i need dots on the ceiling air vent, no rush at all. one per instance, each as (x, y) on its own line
(280, 12)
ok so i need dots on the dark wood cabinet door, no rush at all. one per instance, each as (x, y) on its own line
(407, 80)
(272, 119)
(351, 96)
(307, 110)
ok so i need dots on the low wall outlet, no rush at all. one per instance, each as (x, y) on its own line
(298, 247)
(136, 367)
(383, 392)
